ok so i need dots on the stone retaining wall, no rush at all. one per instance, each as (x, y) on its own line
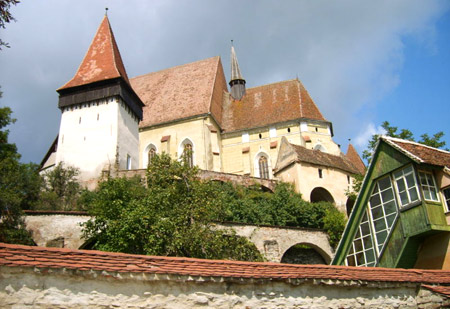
(22, 287)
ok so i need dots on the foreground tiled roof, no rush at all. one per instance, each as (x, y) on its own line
(353, 156)
(324, 159)
(181, 92)
(269, 104)
(444, 290)
(102, 61)
(420, 153)
(55, 258)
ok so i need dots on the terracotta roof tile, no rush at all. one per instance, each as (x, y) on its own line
(181, 92)
(268, 104)
(420, 153)
(26, 256)
(102, 61)
(324, 159)
(353, 156)
(444, 290)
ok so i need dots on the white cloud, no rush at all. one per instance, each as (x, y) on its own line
(349, 53)
(365, 135)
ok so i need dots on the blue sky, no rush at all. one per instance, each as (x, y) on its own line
(362, 62)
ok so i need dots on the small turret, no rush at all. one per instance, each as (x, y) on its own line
(237, 82)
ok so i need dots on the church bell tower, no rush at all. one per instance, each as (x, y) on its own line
(100, 112)
(237, 82)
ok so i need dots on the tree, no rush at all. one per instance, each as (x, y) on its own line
(172, 217)
(61, 190)
(5, 16)
(434, 141)
(19, 186)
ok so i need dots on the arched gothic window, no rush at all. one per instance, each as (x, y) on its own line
(188, 154)
(263, 167)
(151, 154)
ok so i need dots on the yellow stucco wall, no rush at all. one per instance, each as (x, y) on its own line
(306, 179)
(236, 159)
(206, 144)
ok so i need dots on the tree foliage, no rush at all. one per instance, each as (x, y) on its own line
(60, 190)
(433, 141)
(173, 216)
(283, 207)
(5, 16)
(19, 186)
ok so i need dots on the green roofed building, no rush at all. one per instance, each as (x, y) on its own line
(401, 216)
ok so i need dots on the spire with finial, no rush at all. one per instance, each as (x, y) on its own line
(101, 73)
(237, 82)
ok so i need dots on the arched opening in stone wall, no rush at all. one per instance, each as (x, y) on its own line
(304, 253)
(349, 205)
(320, 194)
(266, 189)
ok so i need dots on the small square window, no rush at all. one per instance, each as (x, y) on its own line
(272, 132)
(245, 138)
(428, 186)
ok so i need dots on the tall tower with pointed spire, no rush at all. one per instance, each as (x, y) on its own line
(100, 112)
(237, 82)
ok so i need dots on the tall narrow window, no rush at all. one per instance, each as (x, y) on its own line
(406, 186)
(428, 187)
(362, 251)
(263, 167)
(383, 210)
(320, 173)
(446, 192)
(128, 162)
(188, 155)
(151, 154)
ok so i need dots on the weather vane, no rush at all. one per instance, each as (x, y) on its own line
(231, 42)
(106, 11)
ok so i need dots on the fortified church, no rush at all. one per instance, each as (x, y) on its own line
(276, 131)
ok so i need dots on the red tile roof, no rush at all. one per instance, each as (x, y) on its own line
(318, 157)
(180, 92)
(419, 152)
(268, 104)
(444, 290)
(26, 256)
(353, 156)
(102, 61)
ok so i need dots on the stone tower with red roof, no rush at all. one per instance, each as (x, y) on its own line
(100, 112)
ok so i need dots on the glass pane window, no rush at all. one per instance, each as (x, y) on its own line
(263, 167)
(428, 186)
(188, 155)
(406, 186)
(151, 154)
(446, 192)
(383, 210)
(362, 250)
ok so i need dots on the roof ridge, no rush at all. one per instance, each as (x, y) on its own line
(274, 83)
(312, 100)
(114, 44)
(175, 67)
(400, 140)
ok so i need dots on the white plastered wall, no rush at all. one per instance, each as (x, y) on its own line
(92, 133)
